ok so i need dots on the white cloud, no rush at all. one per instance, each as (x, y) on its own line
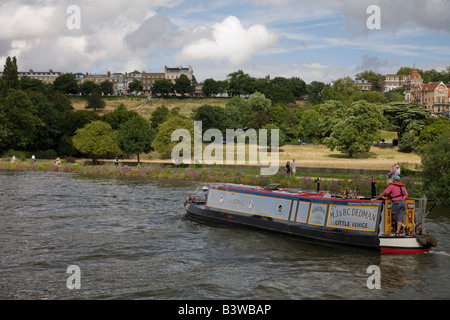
(230, 41)
(314, 40)
(23, 21)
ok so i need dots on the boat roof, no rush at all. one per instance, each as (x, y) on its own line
(274, 189)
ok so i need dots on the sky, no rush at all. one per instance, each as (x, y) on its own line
(319, 40)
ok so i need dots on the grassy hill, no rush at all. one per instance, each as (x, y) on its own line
(145, 106)
(318, 156)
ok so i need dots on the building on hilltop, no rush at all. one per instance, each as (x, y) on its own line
(175, 73)
(148, 78)
(119, 80)
(434, 96)
(392, 81)
(364, 84)
(45, 76)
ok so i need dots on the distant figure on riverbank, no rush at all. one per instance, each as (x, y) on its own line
(395, 171)
(288, 167)
(116, 162)
(33, 158)
(392, 172)
(13, 159)
(58, 161)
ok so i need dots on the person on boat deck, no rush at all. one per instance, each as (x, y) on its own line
(396, 191)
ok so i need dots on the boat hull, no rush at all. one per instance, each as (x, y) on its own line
(201, 214)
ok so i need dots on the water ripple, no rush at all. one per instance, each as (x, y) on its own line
(132, 240)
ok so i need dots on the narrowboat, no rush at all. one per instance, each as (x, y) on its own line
(342, 220)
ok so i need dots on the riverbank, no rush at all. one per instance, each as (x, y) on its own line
(336, 183)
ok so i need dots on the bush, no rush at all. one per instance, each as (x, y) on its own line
(407, 143)
(20, 155)
(436, 169)
(46, 154)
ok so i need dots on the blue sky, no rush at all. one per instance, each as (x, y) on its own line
(315, 40)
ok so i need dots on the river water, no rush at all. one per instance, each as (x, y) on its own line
(131, 239)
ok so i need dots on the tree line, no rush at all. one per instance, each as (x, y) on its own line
(38, 118)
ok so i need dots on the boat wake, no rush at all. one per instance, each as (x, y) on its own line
(440, 253)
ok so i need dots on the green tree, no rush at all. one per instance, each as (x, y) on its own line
(436, 169)
(259, 120)
(369, 96)
(355, 133)
(262, 85)
(210, 87)
(183, 85)
(96, 139)
(106, 87)
(341, 90)
(66, 83)
(119, 116)
(212, 117)
(73, 120)
(238, 113)
(407, 144)
(135, 86)
(281, 136)
(49, 134)
(331, 112)
(407, 71)
(95, 101)
(258, 101)
(297, 86)
(31, 84)
(10, 75)
(315, 92)
(159, 116)
(163, 87)
(278, 114)
(240, 83)
(432, 130)
(310, 123)
(135, 136)
(163, 140)
(20, 123)
(404, 117)
(281, 95)
(88, 87)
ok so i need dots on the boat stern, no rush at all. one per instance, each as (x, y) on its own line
(407, 245)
